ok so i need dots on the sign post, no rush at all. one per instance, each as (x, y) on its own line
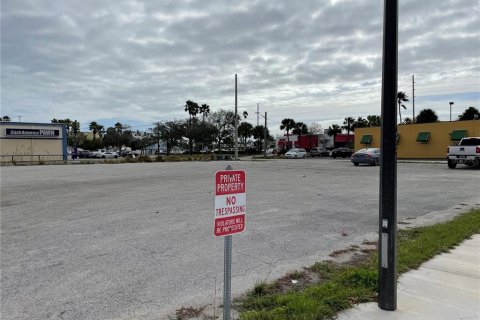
(230, 209)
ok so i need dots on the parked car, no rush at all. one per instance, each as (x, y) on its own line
(93, 154)
(296, 153)
(370, 156)
(177, 150)
(128, 154)
(82, 154)
(341, 152)
(106, 155)
(467, 152)
(319, 152)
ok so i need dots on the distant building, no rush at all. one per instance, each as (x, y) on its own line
(294, 141)
(343, 140)
(421, 140)
(32, 142)
(153, 148)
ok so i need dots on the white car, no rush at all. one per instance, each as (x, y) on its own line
(177, 150)
(106, 155)
(296, 153)
(93, 154)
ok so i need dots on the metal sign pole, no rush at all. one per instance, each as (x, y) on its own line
(387, 262)
(227, 272)
(227, 277)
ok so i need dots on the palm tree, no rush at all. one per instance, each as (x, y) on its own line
(401, 97)
(75, 129)
(100, 130)
(348, 125)
(118, 128)
(287, 125)
(333, 130)
(94, 128)
(360, 123)
(204, 109)
(193, 109)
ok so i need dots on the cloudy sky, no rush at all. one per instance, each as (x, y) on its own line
(314, 61)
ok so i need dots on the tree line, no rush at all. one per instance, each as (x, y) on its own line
(202, 130)
(205, 130)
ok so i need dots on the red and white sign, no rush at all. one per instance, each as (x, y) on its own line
(230, 202)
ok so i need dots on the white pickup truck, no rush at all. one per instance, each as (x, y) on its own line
(466, 152)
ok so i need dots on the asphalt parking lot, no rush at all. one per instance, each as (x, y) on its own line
(135, 241)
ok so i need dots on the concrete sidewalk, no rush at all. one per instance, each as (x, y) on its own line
(446, 287)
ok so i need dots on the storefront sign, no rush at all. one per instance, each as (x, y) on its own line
(32, 133)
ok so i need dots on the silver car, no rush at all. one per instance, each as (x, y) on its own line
(106, 155)
(296, 153)
(370, 156)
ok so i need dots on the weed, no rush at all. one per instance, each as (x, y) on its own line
(260, 289)
(341, 285)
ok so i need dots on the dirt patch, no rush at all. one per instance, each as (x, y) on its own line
(185, 313)
(295, 281)
(354, 255)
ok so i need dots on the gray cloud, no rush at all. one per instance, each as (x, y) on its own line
(310, 60)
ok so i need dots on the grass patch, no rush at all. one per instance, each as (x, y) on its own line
(339, 286)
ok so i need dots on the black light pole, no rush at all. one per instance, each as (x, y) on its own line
(387, 262)
(451, 102)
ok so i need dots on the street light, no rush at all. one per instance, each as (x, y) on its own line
(451, 102)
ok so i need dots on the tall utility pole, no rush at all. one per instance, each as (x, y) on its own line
(258, 114)
(236, 120)
(413, 97)
(264, 134)
(265, 137)
(387, 251)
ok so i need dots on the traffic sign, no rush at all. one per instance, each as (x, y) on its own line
(230, 202)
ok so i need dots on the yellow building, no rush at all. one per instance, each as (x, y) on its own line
(26, 142)
(422, 140)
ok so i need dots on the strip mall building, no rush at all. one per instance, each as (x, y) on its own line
(32, 142)
(423, 140)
